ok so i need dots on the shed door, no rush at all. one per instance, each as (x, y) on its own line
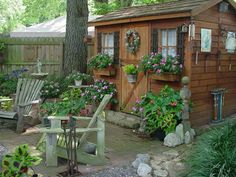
(129, 92)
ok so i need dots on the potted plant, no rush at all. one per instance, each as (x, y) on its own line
(19, 162)
(2, 49)
(161, 113)
(78, 77)
(102, 64)
(162, 68)
(131, 73)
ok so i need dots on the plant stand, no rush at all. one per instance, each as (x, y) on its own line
(165, 77)
(105, 72)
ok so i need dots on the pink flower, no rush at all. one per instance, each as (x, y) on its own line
(158, 71)
(134, 109)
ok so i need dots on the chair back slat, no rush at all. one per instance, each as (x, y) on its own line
(93, 121)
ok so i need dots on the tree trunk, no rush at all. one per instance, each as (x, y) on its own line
(76, 29)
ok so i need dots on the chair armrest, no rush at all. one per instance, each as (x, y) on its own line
(29, 103)
(6, 99)
(82, 118)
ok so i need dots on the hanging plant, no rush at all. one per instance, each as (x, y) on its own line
(132, 41)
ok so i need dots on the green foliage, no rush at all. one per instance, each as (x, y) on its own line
(54, 86)
(160, 111)
(38, 11)
(11, 12)
(71, 103)
(215, 153)
(96, 92)
(6, 105)
(17, 163)
(78, 76)
(130, 69)
(100, 61)
(158, 64)
(2, 47)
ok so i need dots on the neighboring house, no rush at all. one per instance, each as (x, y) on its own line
(165, 27)
(52, 28)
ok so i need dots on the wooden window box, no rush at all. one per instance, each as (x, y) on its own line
(166, 77)
(105, 72)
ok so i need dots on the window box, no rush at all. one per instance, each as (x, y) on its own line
(105, 72)
(165, 77)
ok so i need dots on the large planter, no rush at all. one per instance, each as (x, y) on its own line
(78, 82)
(105, 72)
(131, 78)
(165, 77)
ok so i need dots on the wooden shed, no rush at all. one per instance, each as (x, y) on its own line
(185, 23)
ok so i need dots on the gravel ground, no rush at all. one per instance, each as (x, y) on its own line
(115, 172)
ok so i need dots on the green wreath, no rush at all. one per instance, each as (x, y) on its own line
(132, 41)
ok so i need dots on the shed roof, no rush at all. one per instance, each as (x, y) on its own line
(52, 28)
(178, 6)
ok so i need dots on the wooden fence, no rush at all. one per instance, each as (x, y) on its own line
(24, 52)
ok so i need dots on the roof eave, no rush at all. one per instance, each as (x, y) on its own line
(140, 19)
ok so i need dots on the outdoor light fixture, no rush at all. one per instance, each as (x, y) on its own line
(191, 31)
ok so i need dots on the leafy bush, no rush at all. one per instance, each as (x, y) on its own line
(215, 153)
(71, 104)
(77, 76)
(130, 69)
(158, 64)
(17, 163)
(6, 105)
(100, 61)
(96, 92)
(160, 111)
(8, 82)
(54, 86)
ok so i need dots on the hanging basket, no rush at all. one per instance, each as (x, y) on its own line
(166, 77)
(105, 72)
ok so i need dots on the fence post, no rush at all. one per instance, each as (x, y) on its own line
(185, 94)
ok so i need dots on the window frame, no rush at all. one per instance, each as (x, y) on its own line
(104, 41)
(167, 46)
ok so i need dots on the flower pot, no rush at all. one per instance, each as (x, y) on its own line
(131, 78)
(78, 82)
(165, 77)
(105, 72)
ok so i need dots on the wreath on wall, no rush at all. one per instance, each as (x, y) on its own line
(132, 41)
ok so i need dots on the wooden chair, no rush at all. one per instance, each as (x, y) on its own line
(56, 144)
(27, 93)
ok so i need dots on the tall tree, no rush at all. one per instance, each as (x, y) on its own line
(76, 31)
(10, 14)
(38, 11)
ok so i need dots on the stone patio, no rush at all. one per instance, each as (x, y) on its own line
(122, 147)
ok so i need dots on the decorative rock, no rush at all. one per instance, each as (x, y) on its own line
(141, 158)
(180, 132)
(173, 153)
(172, 140)
(3, 151)
(187, 138)
(192, 133)
(160, 173)
(144, 170)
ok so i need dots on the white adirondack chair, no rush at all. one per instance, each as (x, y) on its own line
(27, 94)
(55, 140)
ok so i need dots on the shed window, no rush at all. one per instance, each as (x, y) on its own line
(108, 44)
(168, 42)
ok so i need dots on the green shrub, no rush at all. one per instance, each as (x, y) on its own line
(54, 86)
(130, 69)
(215, 154)
(100, 61)
(6, 105)
(161, 110)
